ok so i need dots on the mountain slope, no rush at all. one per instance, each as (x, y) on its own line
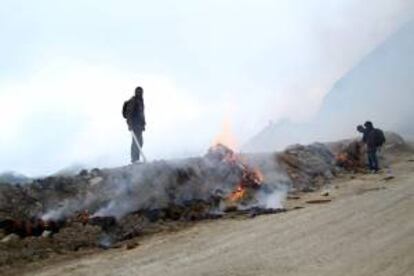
(380, 88)
(13, 178)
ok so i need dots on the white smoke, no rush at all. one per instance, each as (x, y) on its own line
(271, 200)
(159, 184)
(256, 61)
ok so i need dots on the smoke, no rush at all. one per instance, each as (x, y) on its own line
(162, 184)
(248, 63)
(64, 210)
(271, 200)
(82, 201)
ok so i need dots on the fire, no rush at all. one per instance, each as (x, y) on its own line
(342, 157)
(254, 177)
(351, 157)
(83, 217)
(251, 179)
(345, 161)
(238, 195)
(226, 136)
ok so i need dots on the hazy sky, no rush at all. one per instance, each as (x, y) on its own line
(67, 66)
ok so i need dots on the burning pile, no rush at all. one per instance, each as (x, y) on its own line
(106, 207)
(250, 181)
(186, 190)
(351, 158)
(351, 154)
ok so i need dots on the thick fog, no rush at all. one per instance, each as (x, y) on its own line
(379, 88)
(204, 66)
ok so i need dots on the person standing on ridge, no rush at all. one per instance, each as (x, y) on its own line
(133, 112)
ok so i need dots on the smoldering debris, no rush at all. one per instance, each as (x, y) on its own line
(103, 208)
(106, 208)
(351, 158)
(215, 178)
(351, 155)
(32, 227)
(309, 167)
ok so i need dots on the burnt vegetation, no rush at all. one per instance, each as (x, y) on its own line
(106, 208)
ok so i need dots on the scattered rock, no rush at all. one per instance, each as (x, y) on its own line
(131, 245)
(10, 238)
(366, 190)
(388, 178)
(308, 190)
(325, 193)
(318, 201)
(47, 234)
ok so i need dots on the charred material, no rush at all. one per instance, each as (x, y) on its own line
(257, 211)
(318, 201)
(351, 158)
(36, 226)
(32, 227)
(106, 223)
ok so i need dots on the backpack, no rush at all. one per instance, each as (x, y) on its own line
(379, 137)
(125, 109)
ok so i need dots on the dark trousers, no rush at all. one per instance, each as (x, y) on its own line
(373, 159)
(134, 149)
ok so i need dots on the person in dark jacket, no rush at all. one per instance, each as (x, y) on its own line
(374, 138)
(362, 130)
(133, 112)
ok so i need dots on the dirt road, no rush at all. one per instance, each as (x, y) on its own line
(368, 229)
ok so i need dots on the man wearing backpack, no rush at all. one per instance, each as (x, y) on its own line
(374, 139)
(133, 112)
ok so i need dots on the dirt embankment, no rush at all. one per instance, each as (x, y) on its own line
(367, 229)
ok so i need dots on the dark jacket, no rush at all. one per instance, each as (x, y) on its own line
(374, 138)
(133, 112)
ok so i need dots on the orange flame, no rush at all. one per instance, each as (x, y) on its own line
(342, 157)
(251, 179)
(83, 217)
(238, 194)
(226, 136)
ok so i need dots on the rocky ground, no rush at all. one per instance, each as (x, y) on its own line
(339, 220)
